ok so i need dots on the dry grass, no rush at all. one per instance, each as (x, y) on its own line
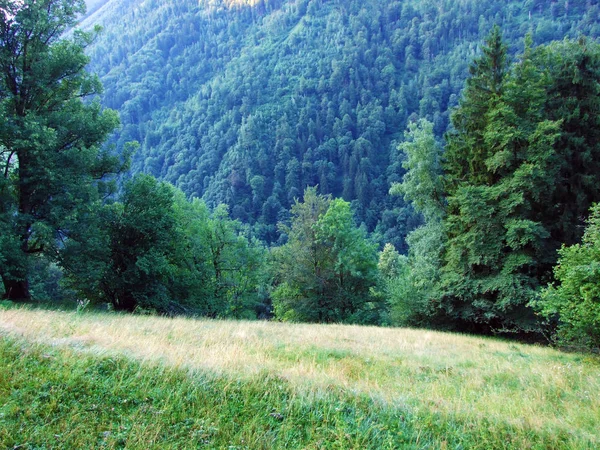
(476, 379)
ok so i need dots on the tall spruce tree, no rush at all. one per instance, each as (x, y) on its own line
(496, 238)
(49, 138)
(466, 150)
(521, 171)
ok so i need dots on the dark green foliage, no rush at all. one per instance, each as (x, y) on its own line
(516, 180)
(154, 250)
(467, 149)
(326, 270)
(518, 171)
(574, 100)
(50, 158)
(143, 247)
(411, 291)
(498, 169)
(127, 255)
(248, 105)
(575, 299)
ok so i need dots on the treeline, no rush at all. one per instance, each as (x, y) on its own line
(155, 251)
(249, 105)
(152, 250)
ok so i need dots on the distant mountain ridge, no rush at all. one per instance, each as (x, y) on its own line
(248, 102)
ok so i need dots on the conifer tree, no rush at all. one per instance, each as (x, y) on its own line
(521, 170)
(496, 239)
(466, 150)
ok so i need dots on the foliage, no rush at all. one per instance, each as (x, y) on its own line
(248, 103)
(422, 183)
(390, 262)
(510, 188)
(237, 269)
(411, 292)
(143, 251)
(326, 270)
(506, 181)
(156, 251)
(575, 299)
(395, 285)
(573, 100)
(51, 163)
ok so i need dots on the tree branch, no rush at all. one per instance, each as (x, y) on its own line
(7, 166)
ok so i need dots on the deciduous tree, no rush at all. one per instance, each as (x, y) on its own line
(49, 137)
(327, 268)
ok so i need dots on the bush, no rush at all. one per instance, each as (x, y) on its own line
(575, 301)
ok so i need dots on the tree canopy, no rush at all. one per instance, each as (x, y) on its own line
(326, 270)
(504, 199)
(52, 162)
(248, 103)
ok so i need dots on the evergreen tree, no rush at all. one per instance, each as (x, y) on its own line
(496, 240)
(531, 151)
(49, 138)
(466, 150)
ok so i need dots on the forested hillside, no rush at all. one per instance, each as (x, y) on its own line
(248, 102)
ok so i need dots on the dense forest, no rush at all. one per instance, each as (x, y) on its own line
(247, 103)
(392, 164)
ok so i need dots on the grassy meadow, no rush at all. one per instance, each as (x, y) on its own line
(100, 380)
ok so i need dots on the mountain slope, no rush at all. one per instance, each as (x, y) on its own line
(248, 102)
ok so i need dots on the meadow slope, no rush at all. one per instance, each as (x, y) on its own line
(282, 386)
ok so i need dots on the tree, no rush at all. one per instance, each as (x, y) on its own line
(143, 247)
(155, 250)
(411, 291)
(466, 150)
(235, 265)
(531, 143)
(422, 184)
(326, 270)
(130, 253)
(496, 239)
(575, 299)
(49, 138)
(573, 98)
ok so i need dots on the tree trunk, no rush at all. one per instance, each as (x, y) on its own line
(17, 290)
(16, 278)
(15, 273)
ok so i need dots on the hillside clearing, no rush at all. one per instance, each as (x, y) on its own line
(548, 398)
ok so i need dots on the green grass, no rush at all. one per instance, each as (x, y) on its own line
(62, 386)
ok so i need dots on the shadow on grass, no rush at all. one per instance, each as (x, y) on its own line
(59, 398)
